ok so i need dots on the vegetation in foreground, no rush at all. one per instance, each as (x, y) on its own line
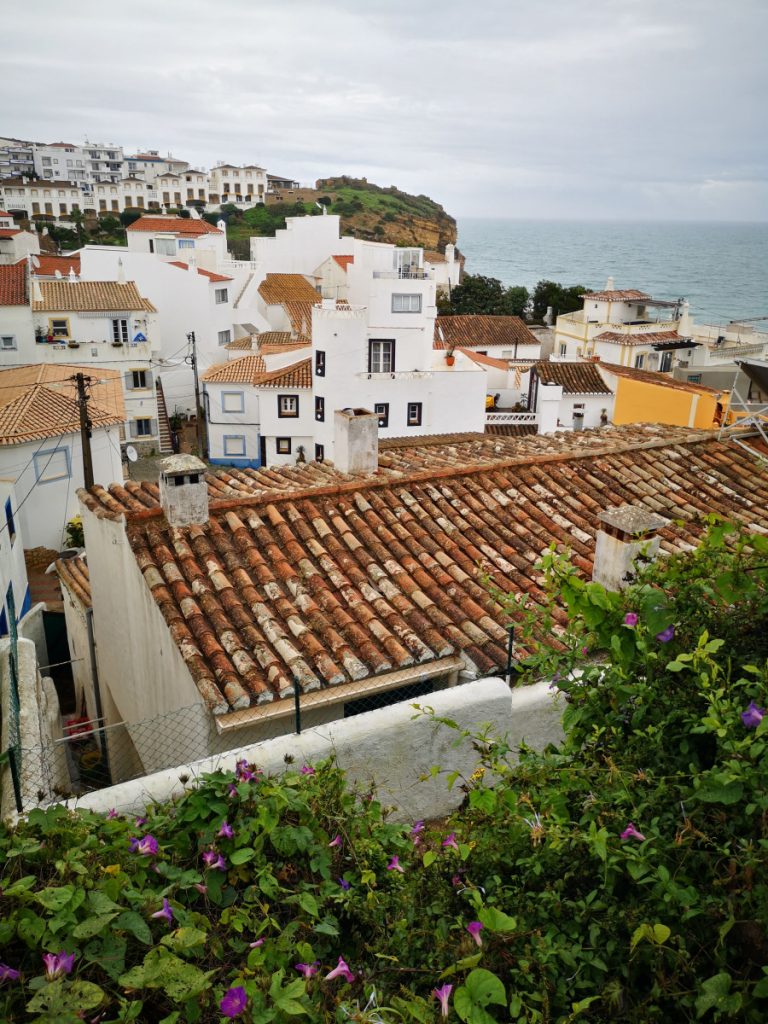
(621, 877)
(487, 295)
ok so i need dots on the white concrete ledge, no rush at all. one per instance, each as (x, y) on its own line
(391, 749)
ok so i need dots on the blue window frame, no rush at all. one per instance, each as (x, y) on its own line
(186, 243)
(234, 445)
(9, 521)
(233, 401)
(52, 464)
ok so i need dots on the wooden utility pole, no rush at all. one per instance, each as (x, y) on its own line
(199, 410)
(82, 382)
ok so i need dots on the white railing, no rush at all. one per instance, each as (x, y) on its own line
(230, 264)
(512, 417)
(404, 275)
(397, 375)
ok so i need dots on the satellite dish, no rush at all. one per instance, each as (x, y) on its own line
(131, 453)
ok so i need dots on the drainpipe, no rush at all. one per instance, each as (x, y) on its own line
(97, 693)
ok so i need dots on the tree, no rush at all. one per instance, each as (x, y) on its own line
(562, 298)
(479, 294)
(127, 217)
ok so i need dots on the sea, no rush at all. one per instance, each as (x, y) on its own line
(721, 268)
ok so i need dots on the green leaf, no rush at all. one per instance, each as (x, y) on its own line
(328, 926)
(183, 939)
(19, 887)
(60, 1000)
(245, 853)
(461, 965)
(716, 994)
(584, 1004)
(134, 923)
(429, 858)
(92, 926)
(55, 899)
(496, 920)
(713, 793)
(480, 989)
(308, 904)
(100, 903)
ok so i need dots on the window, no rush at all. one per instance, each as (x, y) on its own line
(186, 243)
(694, 378)
(138, 378)
(52, 464)
(382, 411)
(62, 207)
(9, 521)
(221, 296)
(639, 360)
(120, 331)
(381, 356)
(563, 348)
(406, 303)
(666, 362)
(283, 445)
(115, 204)
(233, 401)
(287, 406)
(414, 414)
(102, 205)
(319, 364)
(319, 453)
(7, 341)
(234, 444)
(320, 409)
(142, 427)
(59, 328)
(164, 247)
(225, 337)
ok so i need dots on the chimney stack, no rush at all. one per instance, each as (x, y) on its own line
(548, 406)
(624, 534)
(184, 491)
(356, 441)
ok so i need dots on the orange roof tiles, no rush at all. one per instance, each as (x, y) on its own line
(73, 573)
(47, 265)
(9, 232)
(245, 370)
(268, 339)
(347, 579)
(575, 378)
(205, 273)
(13, 284)
(659, 379)
(279, 288)
(90, 296)
(477, 331)
(300, 316)
(481, 360)
(617, 295)
(344, 261)
(175, 225)
(297, 375)
(650, 338)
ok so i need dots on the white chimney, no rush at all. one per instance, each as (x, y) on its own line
(183, 490)
(685, 324)
(450, 253)
(549, 316)
(548, 407)
(120, 271)
(609, 285)
(625, 533)
(355, 441)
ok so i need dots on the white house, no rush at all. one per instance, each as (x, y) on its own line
(569, 396)
(40, 443)
(246, 185)
(151, 166)
(179, 238)
(15, 244)
(232, 411)
(14, 585)
(501, 337)
(29, 197)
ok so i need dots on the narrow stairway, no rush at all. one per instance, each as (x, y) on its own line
(163, 423)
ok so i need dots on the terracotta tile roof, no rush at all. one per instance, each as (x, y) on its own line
(297, 375)
(176, 225)
(280, 288)
(39, 401)
(13, 284)
(477, 331)
(300, 316)
(242, 344)
(336, 584)
(268, 339)
(9, 232)
(344, 261)
(617, 295)
(206, 273)
(48, 265)
(78, 296)
(660, 379)
(651, 338)
(293, 346)
(73, 573)
(245, 370)
(481, 360)
(510, 429)
(575, 378)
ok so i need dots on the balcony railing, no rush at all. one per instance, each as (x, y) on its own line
(397, 375)
(404, 275)
(512, 417)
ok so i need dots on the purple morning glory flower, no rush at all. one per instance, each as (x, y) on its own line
(214, 861)
(226, 831)
(166, 912)
(631, 619)
(243, 772)
(146, 847)
(307, 970)
(9, 973)
(585, 650)
(630, 832)
(753, 716)
(666, 635)
(337, 841)
(418, 827)
(140, 822)
(234, 1001)
(201, 888)
(256, 944)
(57, 964)
(232, 789)
(112, 813)
(341, 970)
(307, 769)
(450, 840)
(395, 865)
(345, 885)
(474, 928)
(443, 994)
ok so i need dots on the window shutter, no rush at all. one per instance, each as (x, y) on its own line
(133, 428)
(393, 356)
(153, 427)
(148, 376)
(128, 381)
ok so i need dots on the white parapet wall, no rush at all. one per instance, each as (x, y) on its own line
(392, 749)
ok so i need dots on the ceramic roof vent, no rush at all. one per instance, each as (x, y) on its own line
(626, 536)
(183, 490)
(356, 441)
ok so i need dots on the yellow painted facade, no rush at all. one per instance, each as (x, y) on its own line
(642, 402)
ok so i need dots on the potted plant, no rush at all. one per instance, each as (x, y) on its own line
(450, 358)
(73, 344)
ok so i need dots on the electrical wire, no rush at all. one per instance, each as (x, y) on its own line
(19, 506)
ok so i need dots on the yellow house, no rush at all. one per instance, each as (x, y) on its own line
(642, 396)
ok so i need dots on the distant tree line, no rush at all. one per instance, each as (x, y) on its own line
(480, 294)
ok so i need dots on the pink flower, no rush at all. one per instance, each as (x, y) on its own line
(450, 840)
(201, 888)
(307, 970)
(256, 944)
(631, 619)
(166, 912)
(112, 813)
(753, 716)
(140, 822)
(341, 970)
(307, 769)
(9, 973)
(395, 865)
(443, 994)
(456, 881)
(214, 861)
(630, 832)
(147, 846)
(585, 650)
(418, 826)
(232, 789)
(474, 928)
(57, 964)
(337, 841)
(226, 831)
(234, 1001)
(666, 635)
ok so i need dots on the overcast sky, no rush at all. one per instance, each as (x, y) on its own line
(618, 109)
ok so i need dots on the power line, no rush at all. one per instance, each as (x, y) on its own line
(37, 481)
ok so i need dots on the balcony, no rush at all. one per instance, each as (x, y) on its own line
(396, 375)
(517, 418)
(414, 274)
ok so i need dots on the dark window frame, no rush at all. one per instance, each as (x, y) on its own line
(382, 411)
(381, 341)
(283, 445)
(414, 422)
(319, 453)
(319, 363)
(281, 415)
(319, 409)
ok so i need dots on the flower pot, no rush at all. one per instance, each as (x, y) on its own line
(73, 344)
(450, 360)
